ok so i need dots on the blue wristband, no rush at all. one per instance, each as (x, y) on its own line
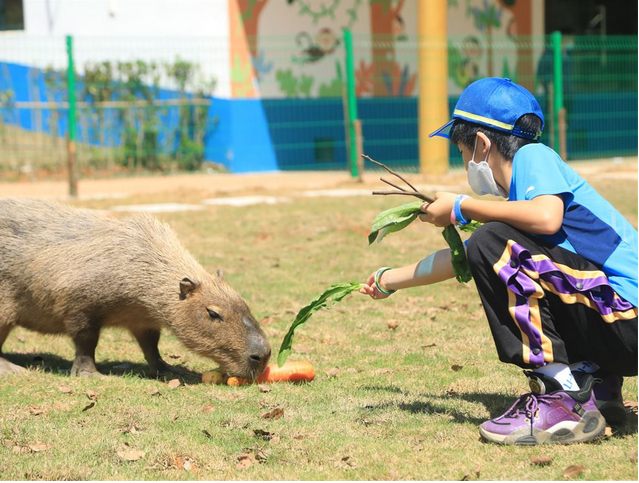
(461, 221)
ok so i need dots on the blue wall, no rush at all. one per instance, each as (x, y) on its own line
(309, 134)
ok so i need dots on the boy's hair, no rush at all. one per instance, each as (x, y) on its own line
(464, 132)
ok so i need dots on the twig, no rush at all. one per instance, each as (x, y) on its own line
(393, 185)
(390, 171)
(401, 191)
(407, 193)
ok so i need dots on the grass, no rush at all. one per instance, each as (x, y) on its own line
(400, 404)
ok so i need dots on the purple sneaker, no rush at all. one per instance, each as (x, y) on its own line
(608, 398)
(547, 415)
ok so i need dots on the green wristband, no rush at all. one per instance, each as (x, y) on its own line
(378, 275)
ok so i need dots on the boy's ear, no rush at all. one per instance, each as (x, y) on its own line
(483, 143)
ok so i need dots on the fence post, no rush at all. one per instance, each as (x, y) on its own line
(558, 87)
(71, 148)
(351, 102)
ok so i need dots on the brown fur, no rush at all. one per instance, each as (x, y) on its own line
(71, 271)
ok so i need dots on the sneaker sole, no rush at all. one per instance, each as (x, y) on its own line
(591, 427)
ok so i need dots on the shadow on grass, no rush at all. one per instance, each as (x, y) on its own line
(54, 364)
(496, 405)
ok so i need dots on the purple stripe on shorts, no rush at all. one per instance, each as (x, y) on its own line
(597, 289)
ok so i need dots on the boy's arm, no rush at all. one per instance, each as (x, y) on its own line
(543, 215)
(434, 268)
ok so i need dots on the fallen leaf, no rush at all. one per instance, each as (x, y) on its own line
(478, 471)
(65, 389)
(187, 465)
(155, 392)
(7, 443)
(300, 437)
(264, 388)
(633, 457)
(426, 346)
(334, 372)
(245, 460)
(208, 408)
(541, 460)
(89, 406)
(33, 409)
(38, 446)
(260, 433)
(392, 324)
(174, 383)
(261, 455)
(418, 447)
(131, 455)
(275, 440)
(267, 320)
(206, 433)
(276, 413)
(573, 471)
(129, 429)
(344, 463)
(456, 367)
(92, 395)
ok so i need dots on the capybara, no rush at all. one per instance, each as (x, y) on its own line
(65, 270)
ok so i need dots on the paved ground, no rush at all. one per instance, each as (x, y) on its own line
(280, 184)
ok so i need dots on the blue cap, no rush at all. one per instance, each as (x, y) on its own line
(497, 104)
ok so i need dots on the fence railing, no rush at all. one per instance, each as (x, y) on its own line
(141, 107)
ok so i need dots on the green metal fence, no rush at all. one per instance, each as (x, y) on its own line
(139, 110)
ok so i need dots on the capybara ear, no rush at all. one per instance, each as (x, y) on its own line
(187, 286)
(220, 273)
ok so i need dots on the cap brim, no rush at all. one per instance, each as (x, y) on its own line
(443, 131)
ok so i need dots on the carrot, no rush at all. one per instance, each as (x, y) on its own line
(301, 371)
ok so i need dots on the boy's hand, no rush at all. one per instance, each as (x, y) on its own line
(438, 212)
(370, 288)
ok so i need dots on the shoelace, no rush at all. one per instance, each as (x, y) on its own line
(528, 404)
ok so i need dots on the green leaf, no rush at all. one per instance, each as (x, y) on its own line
(393, 220)
(457, 255)
(400, 217)
(335, 292)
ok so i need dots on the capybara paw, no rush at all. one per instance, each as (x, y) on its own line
(84, 371)
(7, 368)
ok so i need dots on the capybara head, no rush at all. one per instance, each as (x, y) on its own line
(213, 320)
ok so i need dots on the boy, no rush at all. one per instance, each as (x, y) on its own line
(555, 267)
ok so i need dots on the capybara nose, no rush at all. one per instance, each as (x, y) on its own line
(260, 356)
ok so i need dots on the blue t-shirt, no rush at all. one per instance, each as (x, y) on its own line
(592, 227)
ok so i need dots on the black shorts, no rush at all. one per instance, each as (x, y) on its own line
(546, 304)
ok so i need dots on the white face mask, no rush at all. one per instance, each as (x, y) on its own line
(481, 179)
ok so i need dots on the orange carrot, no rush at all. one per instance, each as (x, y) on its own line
(301, 371)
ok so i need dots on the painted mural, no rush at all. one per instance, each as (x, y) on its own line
(294, 48)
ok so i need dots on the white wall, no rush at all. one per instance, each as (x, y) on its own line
(161, 30)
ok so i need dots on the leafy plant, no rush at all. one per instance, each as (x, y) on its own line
(334, 293)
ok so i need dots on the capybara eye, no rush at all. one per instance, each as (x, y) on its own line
(214, 315)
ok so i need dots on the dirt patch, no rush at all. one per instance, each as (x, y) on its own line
(281, 183)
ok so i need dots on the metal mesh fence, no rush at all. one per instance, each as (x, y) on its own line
(159, 105)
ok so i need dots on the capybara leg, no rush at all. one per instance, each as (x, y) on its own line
(7, 367)
(148, 340)
(85, 343)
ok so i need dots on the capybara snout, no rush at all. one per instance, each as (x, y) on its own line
(70, 271)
